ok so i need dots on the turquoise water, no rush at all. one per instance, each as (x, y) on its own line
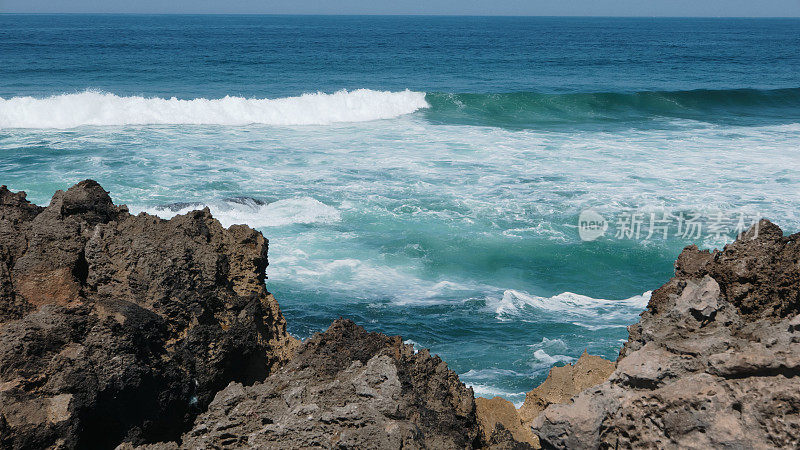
(438, 197)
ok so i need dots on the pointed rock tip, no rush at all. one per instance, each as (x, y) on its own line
(12, 198)
(88, 190)
(764, 229)
(342, 325)
(86, 198)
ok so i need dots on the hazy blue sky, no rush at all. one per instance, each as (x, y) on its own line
(758, 8)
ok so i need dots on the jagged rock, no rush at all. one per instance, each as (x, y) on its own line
(562, 383)
(345, 388)
(16, 214)
(713, 362)
(502, 439)
(117, 327)
(501, 426)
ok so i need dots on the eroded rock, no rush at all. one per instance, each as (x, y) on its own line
(116, 327)
(563, 383)
(713, 362)
(505, 427)
(345, 388)
(501, 426)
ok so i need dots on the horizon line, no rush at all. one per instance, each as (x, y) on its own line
(83, 13)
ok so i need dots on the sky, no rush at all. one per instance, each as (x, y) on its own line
(646, 8)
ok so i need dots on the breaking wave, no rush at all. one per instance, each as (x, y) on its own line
(256, 213)
(568, 306)
(512, 109)
(101, 108)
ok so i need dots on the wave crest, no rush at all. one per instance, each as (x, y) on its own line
(101, 108)
(567, 307)
(522, 109)
(257, 213)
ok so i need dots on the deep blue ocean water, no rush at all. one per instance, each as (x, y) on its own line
(429, 182)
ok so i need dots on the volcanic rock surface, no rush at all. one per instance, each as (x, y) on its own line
(503, 426)
(563, 383)
(345, 388)
(116, 327)
(713, 362)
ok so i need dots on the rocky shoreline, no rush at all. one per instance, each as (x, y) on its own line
(134, 331)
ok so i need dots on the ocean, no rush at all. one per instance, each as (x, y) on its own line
(503, 191)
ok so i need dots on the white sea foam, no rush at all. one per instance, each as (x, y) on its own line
(257, 214)
(550, 344)
(567, 304)
(364, 278)
(591, 327)
(548, 360)
(100, 108)
(414, 344)
(485, 391)
(491, 374)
